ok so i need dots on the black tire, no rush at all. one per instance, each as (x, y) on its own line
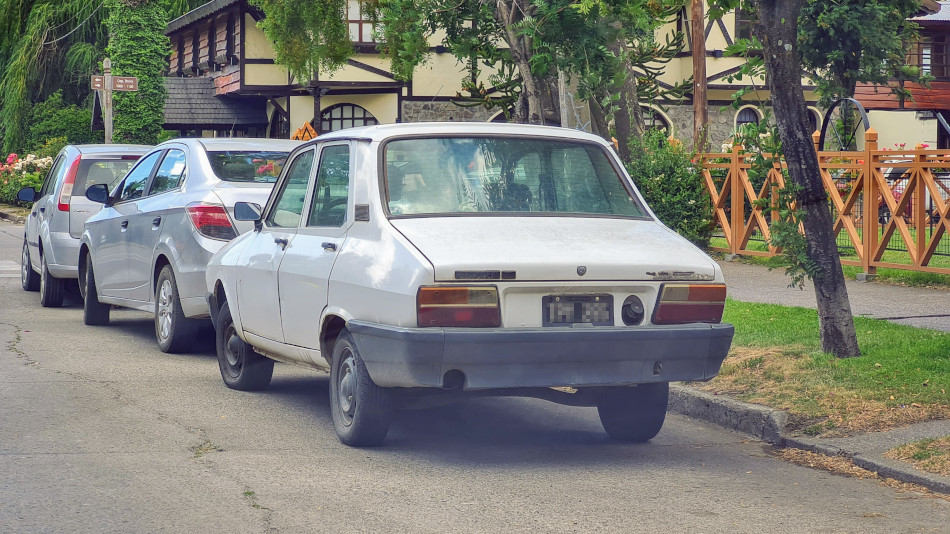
(93, 311)
(174, 332)
(359, 407)
(634, 414)
(241, 368)
(28, 277)
(51, 288)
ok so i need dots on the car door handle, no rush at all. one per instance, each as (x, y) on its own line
(124, 225)
(43, 209)
(282, 241)
(329, 246)
(155, 222)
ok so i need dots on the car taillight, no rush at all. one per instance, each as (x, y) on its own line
(212, 221)
(690, 303)
(458, 306)
(66, 193)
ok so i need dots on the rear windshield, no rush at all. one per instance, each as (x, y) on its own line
(109, 171)
(496, 174)
(247, 165)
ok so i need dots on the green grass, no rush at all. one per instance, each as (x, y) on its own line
(895, 276)
(902, 376)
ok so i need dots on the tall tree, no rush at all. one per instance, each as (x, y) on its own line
(138, 47)
(777, 29)
(843, 43)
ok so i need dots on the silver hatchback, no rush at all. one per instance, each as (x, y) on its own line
(52, 231)
(149, 246)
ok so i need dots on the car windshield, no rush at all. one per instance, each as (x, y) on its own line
(503, 174)
(247, 165)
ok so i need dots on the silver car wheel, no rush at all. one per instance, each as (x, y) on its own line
(166, 308)
(348, 388)
(25, 268)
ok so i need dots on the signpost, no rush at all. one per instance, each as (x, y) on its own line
(106, 84)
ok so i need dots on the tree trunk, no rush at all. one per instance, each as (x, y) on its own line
(539, 94)
(628, 121)
(778, 30)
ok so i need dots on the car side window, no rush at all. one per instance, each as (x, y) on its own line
(288, 206)
(169, 173)
(134, 185)
(51, 177)
(332, 190)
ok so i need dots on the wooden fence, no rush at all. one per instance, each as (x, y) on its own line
(890, 207)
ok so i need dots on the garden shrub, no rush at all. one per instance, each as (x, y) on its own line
(672, 185)
(54, 118)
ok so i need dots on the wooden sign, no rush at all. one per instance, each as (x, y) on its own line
(125, 83)
(98, 82)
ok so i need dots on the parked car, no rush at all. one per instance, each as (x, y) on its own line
(149, 245)
(52, 231)
(491, 259)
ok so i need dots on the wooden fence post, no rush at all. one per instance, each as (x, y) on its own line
(737, 215)
(869, 224)
(918, 204)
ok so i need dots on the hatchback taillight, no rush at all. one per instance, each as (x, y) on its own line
(65, 195)
(212, 221)
(690, 303)
(458, 306)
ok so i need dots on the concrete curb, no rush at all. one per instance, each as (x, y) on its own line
(768, 424)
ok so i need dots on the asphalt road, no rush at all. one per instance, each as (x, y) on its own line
(101, 432)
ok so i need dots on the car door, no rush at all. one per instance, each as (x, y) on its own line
(257, 288)
(43, 206)
(146, 222)
(108, 232)
(304, 273)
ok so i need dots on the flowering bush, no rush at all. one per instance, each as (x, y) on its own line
(17, 173)
(672, 185)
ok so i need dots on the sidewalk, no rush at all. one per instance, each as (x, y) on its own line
(923, 308)
(931, 309)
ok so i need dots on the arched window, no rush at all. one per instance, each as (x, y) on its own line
(747, 116)
(343, 116)
(814, 120)
(653, 119)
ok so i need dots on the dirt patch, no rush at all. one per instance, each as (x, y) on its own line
(784, 378)
(932, 455)
(844, 466)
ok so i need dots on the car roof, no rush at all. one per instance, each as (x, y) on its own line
(112, 149)
(382, 132)
(248, 143)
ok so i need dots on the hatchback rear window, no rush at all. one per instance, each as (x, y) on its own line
(107, 171)
(466, 175)
(247, 165)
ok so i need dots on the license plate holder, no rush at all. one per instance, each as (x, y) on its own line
(567, 310)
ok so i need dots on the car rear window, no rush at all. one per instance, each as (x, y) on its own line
(101, 170)
(247, 165)
(504, 174)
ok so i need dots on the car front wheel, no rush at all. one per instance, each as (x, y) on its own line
(51, 288)
(93, 311)
(174, 332)
(634, 414)
(28, 277)
(241, 368)
(359, 407)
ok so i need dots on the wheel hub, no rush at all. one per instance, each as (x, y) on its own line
(164, 309)
(348, 388)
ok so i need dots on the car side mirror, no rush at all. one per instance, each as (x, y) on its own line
(27, 194)
(248, 211)
(98, 193)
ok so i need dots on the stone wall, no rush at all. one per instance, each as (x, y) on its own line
(721, 124)
(413, 111)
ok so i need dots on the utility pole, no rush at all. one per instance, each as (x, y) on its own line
(698, 41)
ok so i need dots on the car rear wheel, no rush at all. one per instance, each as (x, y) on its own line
(241, 368)
(634, 414)
(93, 311)
(28, 277)
(359, 407)
(174, 332)
(51, 288)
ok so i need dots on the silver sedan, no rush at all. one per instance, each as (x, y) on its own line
(149, 246)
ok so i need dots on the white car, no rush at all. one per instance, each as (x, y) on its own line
(413, 260)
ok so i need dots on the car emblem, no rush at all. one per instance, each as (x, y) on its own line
(581, 270)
